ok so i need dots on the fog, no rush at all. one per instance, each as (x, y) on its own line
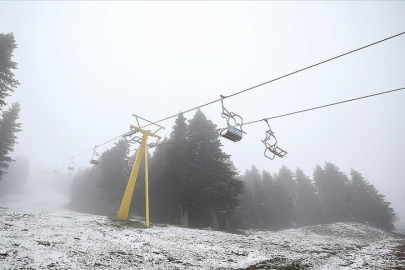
(86, 67)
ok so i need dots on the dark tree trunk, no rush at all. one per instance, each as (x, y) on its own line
(184, 217)
(214, 218)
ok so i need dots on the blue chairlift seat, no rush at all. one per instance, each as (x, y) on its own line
(232, 134)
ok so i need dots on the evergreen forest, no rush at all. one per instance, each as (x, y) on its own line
(193, 183)
(9, 125)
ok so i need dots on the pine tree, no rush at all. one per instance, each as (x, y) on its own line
(308, 203)
(85, 192)
(333, 186)
(269, 191)
(254, 201)
(7, 81)
(284, 198)
(177, 171)
(368, 205)
(244, 213)
(16, 177)
(215, 186)
(163, 207)
(114, 175)
(8, 135)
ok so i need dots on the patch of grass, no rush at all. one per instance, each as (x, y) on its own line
(126, 224)
(398, 235)
(235, 231)
(277, 264)
(44, 243)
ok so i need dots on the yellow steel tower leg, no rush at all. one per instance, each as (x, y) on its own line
(126, 200)
(146, 188)
(143, 150)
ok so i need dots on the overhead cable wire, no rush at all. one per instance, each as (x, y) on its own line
(91, 149)
(282, 115)
(317, 64)
(291, 113)
(284, 76)
(253, 87)
(327, 105)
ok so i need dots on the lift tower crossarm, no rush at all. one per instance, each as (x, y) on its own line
(153, 134)
(143, 149)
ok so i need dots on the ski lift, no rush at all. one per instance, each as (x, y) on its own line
(231, 132)
(160, 143)
(270, 146)
(71, 165)
(154, 144)
(95, 158)
(135, 139)
(129, 133)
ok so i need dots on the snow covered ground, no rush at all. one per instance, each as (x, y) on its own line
(36, 232)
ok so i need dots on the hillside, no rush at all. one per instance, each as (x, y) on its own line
(37, 232)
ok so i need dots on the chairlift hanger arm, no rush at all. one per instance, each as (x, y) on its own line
(271, 131)
(225, 113)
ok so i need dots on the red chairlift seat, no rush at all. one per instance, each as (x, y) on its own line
(94, 162)
(95, 157)
(276, 151)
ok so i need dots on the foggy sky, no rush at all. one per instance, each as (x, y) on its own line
(86, 67)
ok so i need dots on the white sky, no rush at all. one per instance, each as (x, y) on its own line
(86, 67)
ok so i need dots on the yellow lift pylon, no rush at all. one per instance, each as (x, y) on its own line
(143, 149)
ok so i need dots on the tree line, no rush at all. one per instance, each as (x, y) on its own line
(9, 126)
(192, 182)
(291, 199)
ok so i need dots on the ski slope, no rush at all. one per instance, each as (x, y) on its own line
(37, 232)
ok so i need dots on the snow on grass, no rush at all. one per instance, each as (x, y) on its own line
(37, 233)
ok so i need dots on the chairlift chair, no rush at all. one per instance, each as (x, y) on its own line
(272, 147)
(95, 157)
(154, 144)
(135, 139)
(129, 133)
(71, 165)
(160, 143)
(231, 132)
